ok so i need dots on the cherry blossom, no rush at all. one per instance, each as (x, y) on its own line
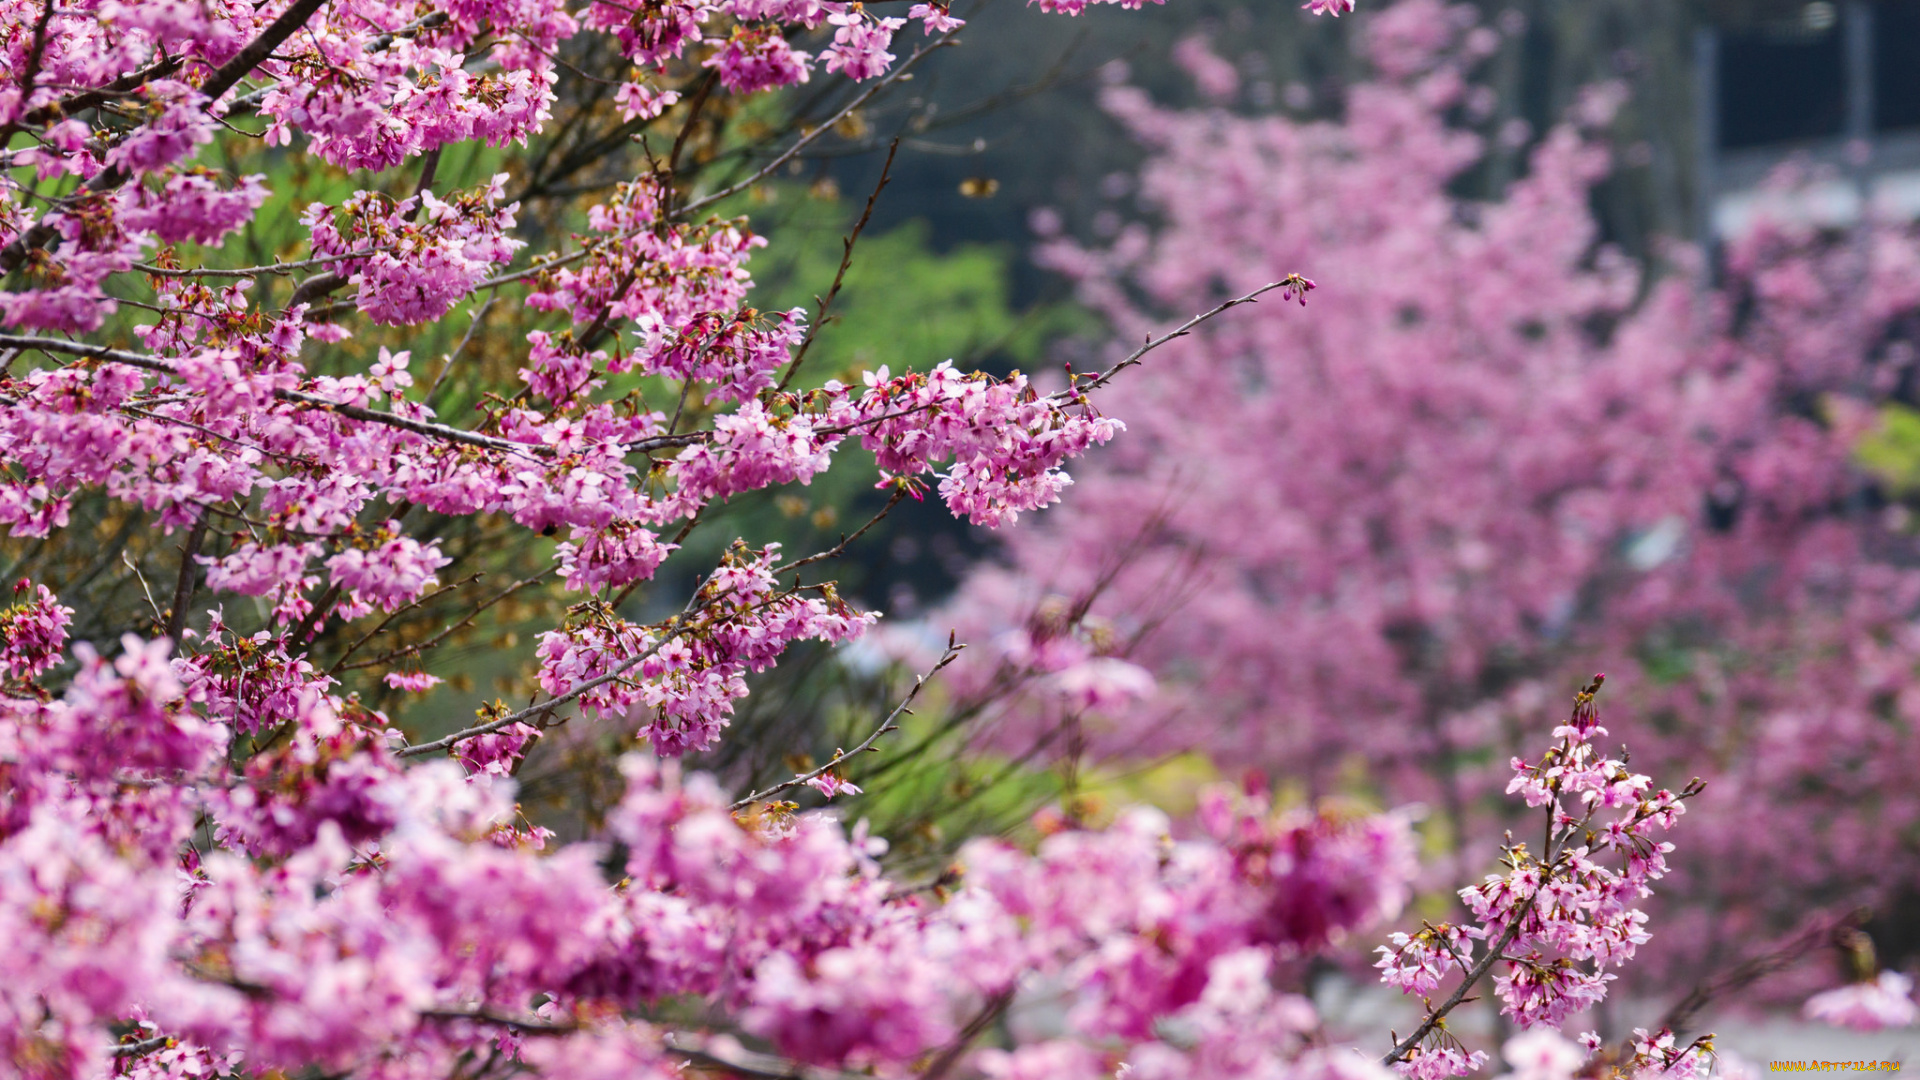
(1884, 1002)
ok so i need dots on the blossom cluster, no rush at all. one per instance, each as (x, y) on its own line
(1575, 906)
(1558, 918)
(354, 914)
(351, 911)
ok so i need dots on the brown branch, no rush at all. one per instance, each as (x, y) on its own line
(183, 587)
(472, 325)
(135, 1049)
(31, 70)
(120, 87)
(484, 1016)
(314, 288)
(1493, 956)
(899, 492)
(304, 632)
(353, 412)
(452, 628)
(399, 611)
(251, 271)
(987, 1015)
(223, 79)
(952, 653)
(1291, 281)
(1496, 951)
(673, 628)
(846, 260)
(746, 1063)
(807, 139)
(700, 96)
(1818, 931)
(229, 74)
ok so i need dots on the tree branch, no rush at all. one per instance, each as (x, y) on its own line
(952, 653)
(846, 260)
(183, 587)
(353, 412)
(746, 1063)
(807, 139)
(1293, 283)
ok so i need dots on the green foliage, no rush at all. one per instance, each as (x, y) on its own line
(1892, 451)
(903, 303)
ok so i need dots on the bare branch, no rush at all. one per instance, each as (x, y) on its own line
(251, 271)
(745, 1063)
(418, 601)
(224, 78)
(951, 1055)
(673, 628)
(1493, 956)
(353, 412)
(846, 260)
(1291, 283)
(413, 650)
(183, 586)
(135, 1049)
(952, 653)
(899, 493)
(807, 139)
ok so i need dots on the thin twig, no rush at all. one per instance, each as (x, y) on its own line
(846, 260)
(1292, 282)
(135, 1049)
(1496, 952)
(158, 619)
(251, 271)
(746, 1063)
(673, 628)
(474, 324)
(31, 70)
(732, 189)
(183, 587)
(952, 653)
(1818, 931)
(899, 493)
(353, 412)
(484, 1016)
(223, 79)
(951, 1055)
(414, 650)
(807, 139)
(700, 95)
(120, 87)
(399, 611)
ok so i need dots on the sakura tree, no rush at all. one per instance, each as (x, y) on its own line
(1361, 548)
(226, 850)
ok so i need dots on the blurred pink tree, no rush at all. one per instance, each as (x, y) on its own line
(1494, 457)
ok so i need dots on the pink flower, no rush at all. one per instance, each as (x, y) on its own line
(642, 102)
(937, 18)
(413, 681)
(830, 784)
(1869, 1006)
(860, 45)
(1439, 1063)
(33, 631)
(758, 59)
